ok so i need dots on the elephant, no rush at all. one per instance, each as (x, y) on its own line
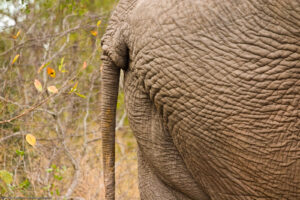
(212, 93)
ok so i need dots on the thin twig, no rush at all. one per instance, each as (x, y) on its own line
(9, 136)
(27, 110)
(62, 89)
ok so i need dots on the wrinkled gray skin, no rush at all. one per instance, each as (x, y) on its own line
(212, 89)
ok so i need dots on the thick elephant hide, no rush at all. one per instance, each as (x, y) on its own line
(212, 93)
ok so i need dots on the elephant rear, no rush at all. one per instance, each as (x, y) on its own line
(212, 90)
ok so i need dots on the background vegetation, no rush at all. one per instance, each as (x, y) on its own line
(50, 144)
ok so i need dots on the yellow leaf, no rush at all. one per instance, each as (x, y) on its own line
(98, 23)
(51, 72)
(38, 85)
(30, 139)
(52, 89)
(84, 65)
(80, 95)
(94, 33)
(17, 35)
(15, 59)
(61, 67)
(74, 88)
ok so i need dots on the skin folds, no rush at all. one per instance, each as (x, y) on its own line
(212, 95)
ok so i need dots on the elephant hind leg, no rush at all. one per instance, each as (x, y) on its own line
(162, 172)
(152, 187)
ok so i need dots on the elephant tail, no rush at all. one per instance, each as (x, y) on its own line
(109, 95)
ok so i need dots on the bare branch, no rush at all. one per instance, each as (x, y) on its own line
(9, 136)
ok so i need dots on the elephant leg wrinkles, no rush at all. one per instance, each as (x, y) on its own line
(162, 172)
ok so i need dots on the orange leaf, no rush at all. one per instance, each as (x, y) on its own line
(38, 85)
(94, 33)
(51, 72)
(17, 35)
(52, 89)
(15, 59)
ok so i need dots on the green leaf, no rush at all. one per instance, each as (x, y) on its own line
(61, 64)
(25, 184)
(48, 63)
(49, 170)
(58, 177)
(20, 153)
(64, 168)
(6, 176)
(47, 188)
(27, 9)
(3, 188)
(74, 88)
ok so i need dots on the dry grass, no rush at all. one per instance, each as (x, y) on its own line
(91, 181)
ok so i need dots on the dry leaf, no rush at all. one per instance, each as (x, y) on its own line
(52, 89)
(15, 59)
(101, 68)
(51, 72)
(84, 65)
(30, 139)
(38, 85)
(43, 66)
(94, 33)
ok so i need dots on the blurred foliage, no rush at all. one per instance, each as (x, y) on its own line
(49, 45)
